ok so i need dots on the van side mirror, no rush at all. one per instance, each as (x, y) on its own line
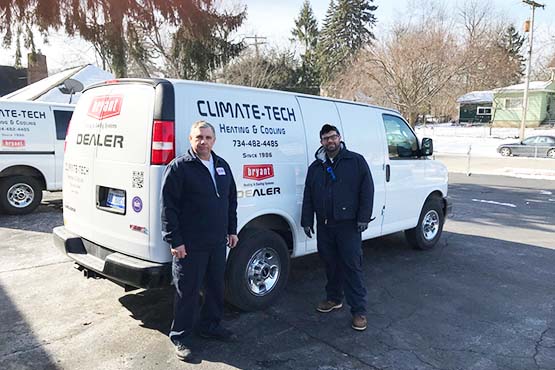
(427, 147)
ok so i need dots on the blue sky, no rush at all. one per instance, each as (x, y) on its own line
(274, 19)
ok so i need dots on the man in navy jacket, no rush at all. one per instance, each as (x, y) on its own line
(199, 217)
(340, 190)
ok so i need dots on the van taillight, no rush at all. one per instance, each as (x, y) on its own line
(163, 142)
(67, 132)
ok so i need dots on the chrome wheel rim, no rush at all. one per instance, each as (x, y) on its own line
(505, 152)
(551, 154)
(430, 225)
(263, 271)
(20, 195)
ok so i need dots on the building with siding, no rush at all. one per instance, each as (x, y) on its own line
(507, 104)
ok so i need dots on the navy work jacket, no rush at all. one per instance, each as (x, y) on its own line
(194, 211)
(342, 190)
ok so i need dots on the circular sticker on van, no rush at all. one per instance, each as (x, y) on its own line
(137, 204)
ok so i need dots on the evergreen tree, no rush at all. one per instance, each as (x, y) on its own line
(306, 33)
(512, 43)
(347, 28)
(306, 28)
(113, 27)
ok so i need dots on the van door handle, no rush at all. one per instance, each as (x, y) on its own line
(387, 172)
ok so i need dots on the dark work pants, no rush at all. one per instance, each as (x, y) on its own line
(340, 247)
(198, 268)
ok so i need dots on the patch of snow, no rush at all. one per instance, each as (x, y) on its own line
(476, 97)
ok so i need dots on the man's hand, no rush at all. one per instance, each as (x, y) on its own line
(362, 226)
(179, 252)
(308, 230)
(232, 240)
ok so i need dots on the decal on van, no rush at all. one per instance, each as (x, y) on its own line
(105, 106)
(225, 109)
(258, 172)
(137, 204)
(262, 192)
(13, 143)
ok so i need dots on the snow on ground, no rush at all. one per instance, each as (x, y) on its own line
(481, 141)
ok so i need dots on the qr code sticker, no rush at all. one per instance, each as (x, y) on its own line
(138, 179)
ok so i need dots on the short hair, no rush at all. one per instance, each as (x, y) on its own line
(328, 128)
(202, 124)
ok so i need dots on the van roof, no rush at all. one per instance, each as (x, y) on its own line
(156, 81)
(39, 103)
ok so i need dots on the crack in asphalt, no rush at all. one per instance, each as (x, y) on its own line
(34, 267)
(537, 347)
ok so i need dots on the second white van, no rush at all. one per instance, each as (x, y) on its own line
(32, 138)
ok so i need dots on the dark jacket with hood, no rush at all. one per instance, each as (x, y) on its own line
(194, 212)
(338, 191)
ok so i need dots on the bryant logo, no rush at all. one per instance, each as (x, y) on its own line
(258, 172)
(13, 143)
(105, 106)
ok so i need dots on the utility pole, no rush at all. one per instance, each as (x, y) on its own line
(533, 6)
(256, 43)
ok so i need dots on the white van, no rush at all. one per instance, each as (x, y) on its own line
(32, 138)
(124, 132)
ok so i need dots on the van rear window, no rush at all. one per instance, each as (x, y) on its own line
(62, 118)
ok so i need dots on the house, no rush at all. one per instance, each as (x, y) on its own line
(50, 89)
(11, 79)
(507, 104)
(475, 107)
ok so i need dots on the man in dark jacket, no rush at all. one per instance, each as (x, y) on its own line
(340, 190)
(199, 217)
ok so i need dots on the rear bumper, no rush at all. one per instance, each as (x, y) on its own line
(112, 265)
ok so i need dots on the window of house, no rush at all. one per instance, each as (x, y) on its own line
(481, 111)
(401, 140)
(513, 103)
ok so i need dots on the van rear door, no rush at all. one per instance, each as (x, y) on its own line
(107, 164)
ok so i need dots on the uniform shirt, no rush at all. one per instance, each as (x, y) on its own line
(210, 165)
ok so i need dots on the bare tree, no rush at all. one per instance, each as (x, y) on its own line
(411, 66)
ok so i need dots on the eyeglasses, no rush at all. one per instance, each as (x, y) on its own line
(331, 137)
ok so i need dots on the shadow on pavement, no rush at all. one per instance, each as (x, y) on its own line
(43, 219)
(472, 302)
(19, 349)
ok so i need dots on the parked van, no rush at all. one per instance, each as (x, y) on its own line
(124, 133)
(32, 138)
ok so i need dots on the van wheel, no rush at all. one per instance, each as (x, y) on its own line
(430, 225)
(19, 194)
(257, 270)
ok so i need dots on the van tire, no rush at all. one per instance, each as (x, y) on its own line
(430, 225)
(19, 194)
(260, 261)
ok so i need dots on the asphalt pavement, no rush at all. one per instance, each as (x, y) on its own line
(484, 298)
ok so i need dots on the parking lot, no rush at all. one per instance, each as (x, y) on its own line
(484, 298)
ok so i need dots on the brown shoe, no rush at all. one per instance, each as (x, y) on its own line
(359, 322)
(328, 306)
